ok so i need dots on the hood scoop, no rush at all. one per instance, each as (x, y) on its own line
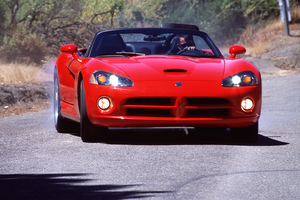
(175, 71)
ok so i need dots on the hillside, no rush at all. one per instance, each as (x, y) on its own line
(279, 54)
(273, 45)
(284, 51)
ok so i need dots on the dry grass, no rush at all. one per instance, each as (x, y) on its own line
(295, 14)
(20, 73)
(256, 41)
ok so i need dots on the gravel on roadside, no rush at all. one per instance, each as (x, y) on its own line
(20, 98)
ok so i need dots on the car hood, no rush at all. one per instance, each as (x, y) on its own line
(179, 68)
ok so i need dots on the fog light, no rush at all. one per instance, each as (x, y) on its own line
(104, 103)
(247, 105)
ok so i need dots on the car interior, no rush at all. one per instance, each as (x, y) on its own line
(114, 44)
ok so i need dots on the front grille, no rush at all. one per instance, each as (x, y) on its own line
(184, 107)
(148, 112)
(207, 113)
(151, 101)
(207, 107)
(206, 101)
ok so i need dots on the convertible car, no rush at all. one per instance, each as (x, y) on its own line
(172, 76)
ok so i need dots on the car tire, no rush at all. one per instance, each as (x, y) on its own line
(88, 131)
(62, 125)
(248, 134)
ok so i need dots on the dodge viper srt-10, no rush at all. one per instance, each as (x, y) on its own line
(172, 76)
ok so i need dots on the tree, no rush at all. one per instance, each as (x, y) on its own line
(2, 20)
(102, 14)
(46, 25)
(142, 13)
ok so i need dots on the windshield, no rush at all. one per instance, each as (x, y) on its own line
(132, 42)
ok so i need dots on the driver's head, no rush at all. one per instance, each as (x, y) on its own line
(184, 41)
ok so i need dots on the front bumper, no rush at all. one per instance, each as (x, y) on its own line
(162, 104)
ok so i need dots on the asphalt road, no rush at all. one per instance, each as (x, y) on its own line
(36, 162)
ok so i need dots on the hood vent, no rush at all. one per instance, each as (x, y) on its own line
(175, 71)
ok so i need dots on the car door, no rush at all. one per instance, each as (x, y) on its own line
(67, 82)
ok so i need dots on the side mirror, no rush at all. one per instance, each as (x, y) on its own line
(69, 48)
(236, 49)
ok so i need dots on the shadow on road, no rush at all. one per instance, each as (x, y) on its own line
(63, 186)
(178, 136)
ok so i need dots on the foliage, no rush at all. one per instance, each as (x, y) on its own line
(142, 13)
(53, 23)
(102, 13)
(2, 19)
(23, 48)
(221, 19)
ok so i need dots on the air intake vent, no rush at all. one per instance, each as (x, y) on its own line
(175, 71)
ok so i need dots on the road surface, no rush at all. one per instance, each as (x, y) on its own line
(38, 163)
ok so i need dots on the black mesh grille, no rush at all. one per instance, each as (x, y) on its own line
(193, 107)
(151, 101)
(207, 113)
(206, 101)
(148, 112)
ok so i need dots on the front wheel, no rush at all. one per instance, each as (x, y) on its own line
(62, 125)
(248, 134)
(88, 131)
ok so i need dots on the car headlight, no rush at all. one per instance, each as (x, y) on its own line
(110, 79)
(245, 78)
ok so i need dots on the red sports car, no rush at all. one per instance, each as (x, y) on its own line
(173, 76)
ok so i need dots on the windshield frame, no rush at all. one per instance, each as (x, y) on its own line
(154, 31)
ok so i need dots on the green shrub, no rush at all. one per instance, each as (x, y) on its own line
(23, 47)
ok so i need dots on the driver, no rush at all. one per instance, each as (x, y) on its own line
(180, 43)
(185, 42)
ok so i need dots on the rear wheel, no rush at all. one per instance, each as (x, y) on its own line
(62, 125)
(248, 134)
(88, 131)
